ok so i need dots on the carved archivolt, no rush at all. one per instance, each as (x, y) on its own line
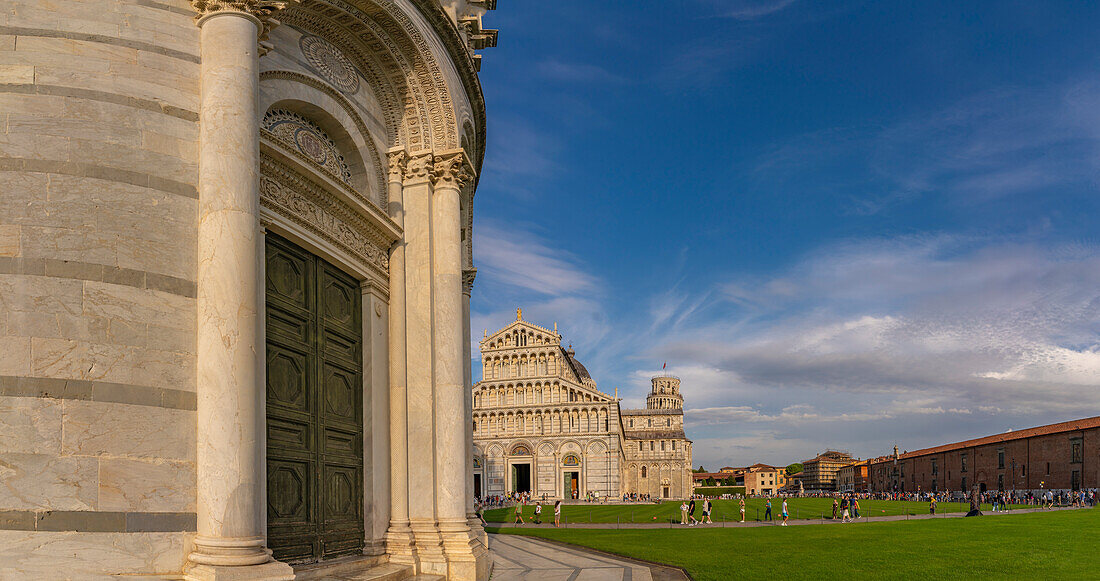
(299, 200)
(307, 138)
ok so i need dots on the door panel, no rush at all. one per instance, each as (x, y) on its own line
(314, 406)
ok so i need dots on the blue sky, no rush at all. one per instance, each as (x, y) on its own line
(843, 224)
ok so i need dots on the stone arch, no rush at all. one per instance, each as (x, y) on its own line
(395, 53)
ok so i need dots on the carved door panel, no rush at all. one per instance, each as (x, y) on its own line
(314, 406)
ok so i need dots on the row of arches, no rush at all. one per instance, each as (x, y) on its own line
(577, 420)
(543, 448)
(658, 445)
(529, 394)
(520, 338)
(515, 366)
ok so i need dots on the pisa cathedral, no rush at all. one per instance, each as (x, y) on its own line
(235, 271)
(541, 425)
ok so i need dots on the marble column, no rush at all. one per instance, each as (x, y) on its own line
(477, 531)
(452, 172)
(399, 537)
(231, 415)
(419, 365)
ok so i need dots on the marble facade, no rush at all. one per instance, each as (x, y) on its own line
(541, 425)
(149, 152)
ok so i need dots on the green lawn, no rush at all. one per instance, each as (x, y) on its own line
(800, 508)
(1046, 545)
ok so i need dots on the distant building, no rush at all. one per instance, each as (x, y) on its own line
(1062, 456)
(819, 473)
(854, 477)
(541, 425)
(764, 479)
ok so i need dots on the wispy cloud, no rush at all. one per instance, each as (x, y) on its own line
(753, 9)
(557, 70)
(522, 258)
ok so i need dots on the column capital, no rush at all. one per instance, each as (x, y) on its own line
(420, 168)
(262, 12)
(398, 160)
(468, 277)
(453, 169)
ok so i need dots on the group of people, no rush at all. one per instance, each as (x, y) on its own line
(848, 506)
(687, 513)
(537, 519)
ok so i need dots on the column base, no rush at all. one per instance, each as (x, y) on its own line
(429, 548)
(467, 558)
(272, 571)
(399, 544)
(477, 531)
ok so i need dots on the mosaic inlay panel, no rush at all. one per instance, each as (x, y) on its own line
(330, 63)
(308, 139)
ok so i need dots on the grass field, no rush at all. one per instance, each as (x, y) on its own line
(800, 508)
(1045, 545)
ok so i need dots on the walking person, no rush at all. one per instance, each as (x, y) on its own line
(855, 508)
(691, 512)
(742, 503)
(844, 518)
(835, 505)
(706, 512)
(557, 513)
(784, 523)
(519, 513)
(768, 510)
(538, 512)
(932, 506)
(683, 513)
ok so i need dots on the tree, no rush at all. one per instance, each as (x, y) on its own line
(794, 468)
(701, 469)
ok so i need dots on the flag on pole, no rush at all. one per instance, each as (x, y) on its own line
(665, 365)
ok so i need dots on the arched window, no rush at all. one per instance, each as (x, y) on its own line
(643, 472)
(651, 446)
(668, 422)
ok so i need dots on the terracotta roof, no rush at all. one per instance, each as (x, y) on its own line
(1069, 426)
(649, 412)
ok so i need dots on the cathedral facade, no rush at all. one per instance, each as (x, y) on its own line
(541, 425)
(235, 273)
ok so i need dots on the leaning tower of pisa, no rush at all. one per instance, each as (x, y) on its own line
(665, 394)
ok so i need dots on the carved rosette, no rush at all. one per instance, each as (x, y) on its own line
(262, 10)
(468, 277)
(453, 169)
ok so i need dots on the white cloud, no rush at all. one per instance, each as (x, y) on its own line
(520, 257)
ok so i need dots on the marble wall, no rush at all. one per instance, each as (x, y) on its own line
(98, 161)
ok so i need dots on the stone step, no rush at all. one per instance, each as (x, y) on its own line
(356, 568)
(427, 577)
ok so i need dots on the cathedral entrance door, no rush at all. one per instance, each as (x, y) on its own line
(477, 485)
(314, 406)
(664, 492)
(521, 477)
(573, 484)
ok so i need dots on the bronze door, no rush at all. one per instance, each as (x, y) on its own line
(314, 406)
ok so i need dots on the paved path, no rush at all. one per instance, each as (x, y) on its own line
(792, 522)
(522, 558)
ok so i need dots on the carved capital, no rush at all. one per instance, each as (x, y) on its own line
(453, 169)
(468, 277)
(398, 161)
(420, 168)
(263, 11)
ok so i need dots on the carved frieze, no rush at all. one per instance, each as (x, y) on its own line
(295, 198)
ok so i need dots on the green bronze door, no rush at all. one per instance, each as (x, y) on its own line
(314, 406)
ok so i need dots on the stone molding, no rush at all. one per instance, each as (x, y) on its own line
(84, 521)
(299, 200)
(100, 391)
(420, 168)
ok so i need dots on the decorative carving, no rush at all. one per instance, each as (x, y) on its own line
(420, 168)
(262, 10)
(383, 195)
(299, 200)
(330, 63)
(398, 161)
(468, 277)
(309, 140)
(452, 169)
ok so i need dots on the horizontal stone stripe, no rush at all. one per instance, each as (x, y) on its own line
(99, 38)
(71, 269)
(101, 391)
(102, 96)
(97, 522)
(165, 7)
(88, 170)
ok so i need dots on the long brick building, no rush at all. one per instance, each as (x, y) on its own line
(1063, 456)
